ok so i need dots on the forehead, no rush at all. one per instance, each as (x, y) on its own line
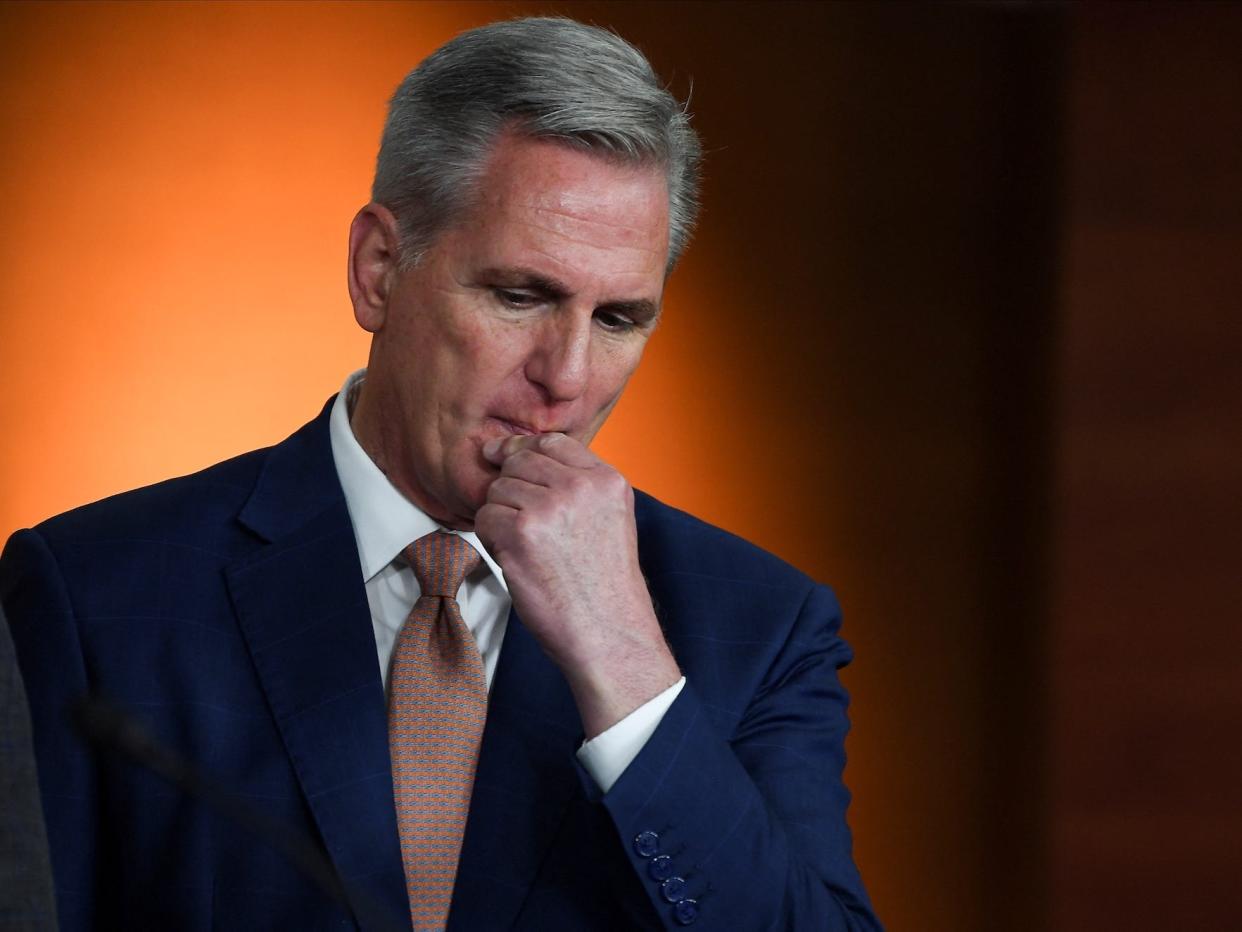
(548, 191)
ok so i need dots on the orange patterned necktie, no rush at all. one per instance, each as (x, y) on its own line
(437, 703)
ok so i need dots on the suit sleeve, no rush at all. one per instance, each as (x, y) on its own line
(746, 830)
(45, 635)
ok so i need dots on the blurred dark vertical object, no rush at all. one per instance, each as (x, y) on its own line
(1147, 711)
(953, 131)
(26, 899)
(1024, 188)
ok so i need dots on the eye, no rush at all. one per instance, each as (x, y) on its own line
(518, 300)
(611, 320)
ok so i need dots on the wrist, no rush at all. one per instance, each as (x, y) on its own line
(609, 686)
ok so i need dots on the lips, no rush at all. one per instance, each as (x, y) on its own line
(519, 428)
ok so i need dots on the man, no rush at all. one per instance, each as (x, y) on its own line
(664, 725)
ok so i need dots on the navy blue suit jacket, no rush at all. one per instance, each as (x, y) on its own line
(226, 610)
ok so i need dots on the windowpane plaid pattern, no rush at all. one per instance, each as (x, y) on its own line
(437, 704)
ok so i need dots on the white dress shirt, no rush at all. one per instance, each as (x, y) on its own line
(385, 522)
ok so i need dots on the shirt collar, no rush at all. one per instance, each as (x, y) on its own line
(384, 520)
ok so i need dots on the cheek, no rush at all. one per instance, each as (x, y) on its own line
(612, 371)
(479, 372)
(494, 357)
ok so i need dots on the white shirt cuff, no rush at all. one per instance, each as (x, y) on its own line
(606, 756)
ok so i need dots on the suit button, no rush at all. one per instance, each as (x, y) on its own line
(647, 844)
(686, 912)
(673, 889)
(660, 868)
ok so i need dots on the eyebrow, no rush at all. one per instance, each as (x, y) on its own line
(518, 277)
(526, 278)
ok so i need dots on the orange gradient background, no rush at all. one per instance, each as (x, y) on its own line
(871, 360)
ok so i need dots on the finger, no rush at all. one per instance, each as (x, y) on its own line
(567, 450)
(515, 493)
(493, 523)
(536, 467)
(499, 449)
(560, 447)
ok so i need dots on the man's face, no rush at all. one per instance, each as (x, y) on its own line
(526, 316)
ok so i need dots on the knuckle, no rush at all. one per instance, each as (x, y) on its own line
(522, 524)
(615, 482)
(512, 463)
(484, 519)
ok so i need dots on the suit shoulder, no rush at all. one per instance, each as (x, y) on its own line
(677, 542)
(214, 494)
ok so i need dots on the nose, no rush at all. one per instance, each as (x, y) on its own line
(560, 360)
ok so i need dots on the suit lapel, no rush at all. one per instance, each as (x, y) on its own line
(303, 611)
(524, 784)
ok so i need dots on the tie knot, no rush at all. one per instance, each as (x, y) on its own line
(441, 561)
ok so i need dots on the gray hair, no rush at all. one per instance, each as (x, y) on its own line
(547, 78)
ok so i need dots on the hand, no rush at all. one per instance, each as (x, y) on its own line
(560, 522)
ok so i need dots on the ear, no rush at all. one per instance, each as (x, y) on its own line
(374, 250)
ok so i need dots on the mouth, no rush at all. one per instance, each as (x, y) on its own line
(517, 428)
